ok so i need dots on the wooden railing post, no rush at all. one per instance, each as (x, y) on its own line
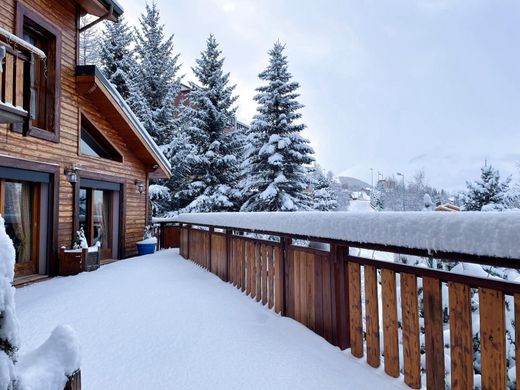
(341, 295)
(161, 235)
(74, 381)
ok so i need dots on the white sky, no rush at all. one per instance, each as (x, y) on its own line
(394, 85)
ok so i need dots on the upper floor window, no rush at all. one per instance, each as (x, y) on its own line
(33, 28)
(93, 143)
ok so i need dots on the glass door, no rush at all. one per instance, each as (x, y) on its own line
(19, 206)
(95, 217)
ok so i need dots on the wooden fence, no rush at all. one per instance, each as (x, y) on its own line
(341, 297)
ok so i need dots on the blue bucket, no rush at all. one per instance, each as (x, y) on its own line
(145, 249)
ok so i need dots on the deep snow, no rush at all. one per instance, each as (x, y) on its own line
(161, 322)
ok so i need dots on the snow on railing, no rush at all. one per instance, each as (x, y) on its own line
(492, 234)
(15, 40)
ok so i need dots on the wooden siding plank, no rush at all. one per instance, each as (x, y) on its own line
(278, 280)
(492, 339)
(327, 301)
(263, 252)
(434, 333)
(242, 265)
(297, 286)
(19, 83)
(372, 316)
(356, 318)
(410, 321)
(258, 262)
(247, 255)
(461, 341)
(8, 81)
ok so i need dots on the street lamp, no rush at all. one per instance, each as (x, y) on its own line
(400, 174)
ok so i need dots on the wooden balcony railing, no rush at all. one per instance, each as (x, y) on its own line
(390, 312)
(16, 78)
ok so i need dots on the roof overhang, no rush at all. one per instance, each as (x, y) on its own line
(101, 8)
(91, 84)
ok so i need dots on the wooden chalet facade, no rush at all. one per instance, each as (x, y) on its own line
(72, 154)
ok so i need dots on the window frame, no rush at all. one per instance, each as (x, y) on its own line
(52, 133)
(95, 133)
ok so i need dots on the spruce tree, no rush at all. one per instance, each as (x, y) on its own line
(156, 78)
(213, 164)
(323, 196)
(275, 171)
(489, 191)
(117, 61)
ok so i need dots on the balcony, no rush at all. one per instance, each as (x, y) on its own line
(17, 58)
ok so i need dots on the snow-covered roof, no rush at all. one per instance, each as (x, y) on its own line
(92, 70)
(493, 234)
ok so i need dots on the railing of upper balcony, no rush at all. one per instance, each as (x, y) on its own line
(432, 327)
(17, 59)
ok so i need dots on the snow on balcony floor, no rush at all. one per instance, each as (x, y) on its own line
(161, 322)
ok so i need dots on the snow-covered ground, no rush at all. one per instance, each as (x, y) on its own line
(360, 205)
(161, 322)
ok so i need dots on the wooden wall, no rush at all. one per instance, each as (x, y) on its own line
(62, 14)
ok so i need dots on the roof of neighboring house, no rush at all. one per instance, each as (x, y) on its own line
(102, 7)
(447, 207)
(92, 84)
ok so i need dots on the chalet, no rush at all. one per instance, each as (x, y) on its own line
(72, 154)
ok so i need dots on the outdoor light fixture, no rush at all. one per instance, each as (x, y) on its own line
(140, 186)
(72, 173)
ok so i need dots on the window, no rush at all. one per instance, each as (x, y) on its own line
(33, 28)
(93, 143)
(19, 202)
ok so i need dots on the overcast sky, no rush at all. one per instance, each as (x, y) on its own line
(394, 85)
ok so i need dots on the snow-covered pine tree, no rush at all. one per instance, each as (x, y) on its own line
(275, 169)
(157, 81)
(377, 196)
(213, 165)
(323, 196)
(489, 191)
(117, 61)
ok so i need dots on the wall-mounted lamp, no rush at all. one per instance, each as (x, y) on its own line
(140, 186)
(72, 173)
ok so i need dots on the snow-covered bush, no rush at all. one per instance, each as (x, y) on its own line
(49, 366)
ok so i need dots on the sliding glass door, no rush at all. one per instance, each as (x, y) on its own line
(19, 206)
(95, 217)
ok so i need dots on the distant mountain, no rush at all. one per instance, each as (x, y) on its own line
(352, 184)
